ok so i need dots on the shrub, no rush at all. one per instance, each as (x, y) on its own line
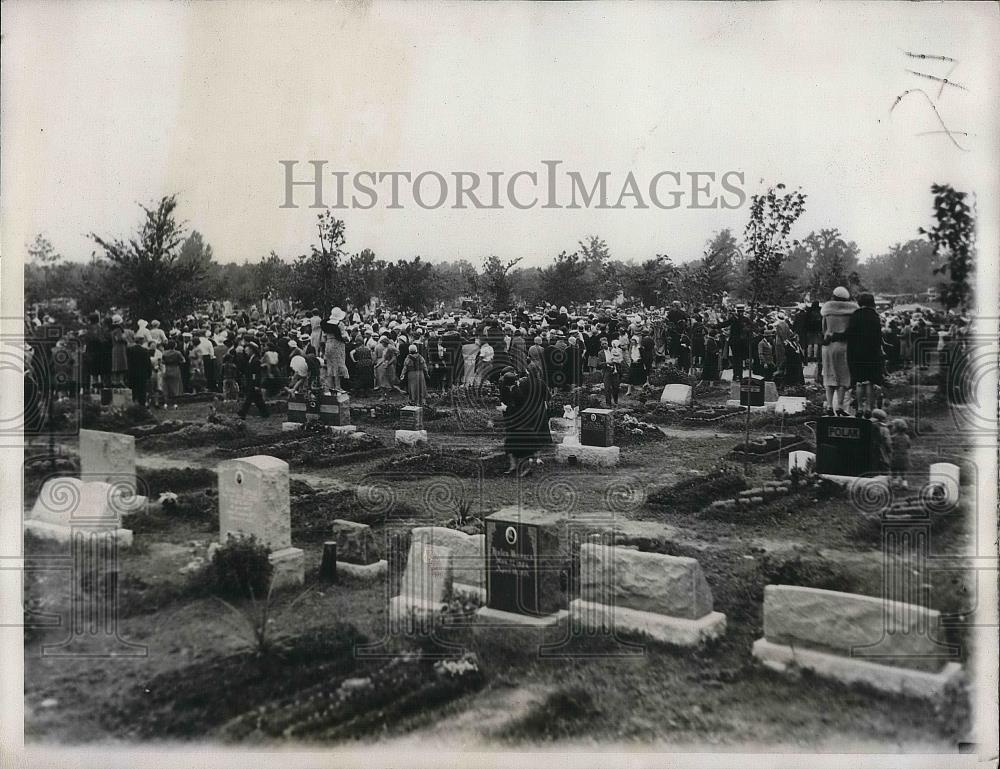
(241, 568)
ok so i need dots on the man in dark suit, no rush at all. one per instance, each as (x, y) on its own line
(140, 370)
(252, 384)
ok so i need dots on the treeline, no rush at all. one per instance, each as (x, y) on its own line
(164, 271)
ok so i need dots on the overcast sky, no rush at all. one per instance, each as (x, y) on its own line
(104, 106)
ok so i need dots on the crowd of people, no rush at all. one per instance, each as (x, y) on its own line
(250, 355)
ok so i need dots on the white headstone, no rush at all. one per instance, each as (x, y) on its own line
(676, 393)
(108, 457)
(800, 459)
(468, 555)
(946, 476)
(64, 503)
(770, 392)
(787, 404)
(254, 500)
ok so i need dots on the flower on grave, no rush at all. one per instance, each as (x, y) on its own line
(458, 667)
(167, 499)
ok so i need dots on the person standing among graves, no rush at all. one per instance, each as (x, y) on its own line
(252, 395)
(140, 370)
(814, 331)
(364, 379)
(884, 439)
(710, 368)
(611, 360)
(518, 352)
(415, 376)
(335, 351)
(900, 463)
(173, 384)
(792, 373)
(836, 314)
(864, 352)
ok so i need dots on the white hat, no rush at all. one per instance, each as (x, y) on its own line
(337, 315)
(841, 293)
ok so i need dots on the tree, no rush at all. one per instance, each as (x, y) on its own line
(832, 261)
(653, 282)
(147, 274)
(409, 284)
(315, 274)
(453, 280)
(42, 252)
(565, 281)
(363, 277)
(271, 276)
(767, 239)
(954, 241)
(39, 270)
(906, 268)
(495, 281)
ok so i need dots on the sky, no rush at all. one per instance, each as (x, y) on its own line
(103, 106)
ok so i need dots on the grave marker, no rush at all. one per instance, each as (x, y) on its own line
(357, 554)
(846, 446)
(661, 596)
(468, 557)
(676, 393)
(526, 568)
(852, 638)
(426, 585)
(254, 501)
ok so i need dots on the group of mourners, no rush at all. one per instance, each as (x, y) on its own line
(249, 355)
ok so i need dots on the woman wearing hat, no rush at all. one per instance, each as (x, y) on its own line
(364, 366)
(836, 314)
(864, 352)
(335, 352)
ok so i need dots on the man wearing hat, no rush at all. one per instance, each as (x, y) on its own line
(252, 383)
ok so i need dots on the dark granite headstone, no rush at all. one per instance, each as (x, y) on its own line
(411, 418)
(526, 570)
(846, 446)
(752, 391)
(597, 427)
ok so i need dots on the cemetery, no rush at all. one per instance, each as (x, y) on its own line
(264, 591)
(383, 377)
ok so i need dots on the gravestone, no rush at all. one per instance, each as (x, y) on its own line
(676, 393)
(426, 585)
(661, 596)
(298, 406)
(752, 391)
(787, 404)
(254, 501)
(801, 460)
(770, 392)
(597, 428)
(846, 446)
(68, 504)
(885, 644)
(411, 418)
(410, 437)
(357, 553)
(108, 457)
(527, 575)
(335, 410)
(946, 476)
(468, 557)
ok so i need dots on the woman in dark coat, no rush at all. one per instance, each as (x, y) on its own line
(526, 419)
(864, 352)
